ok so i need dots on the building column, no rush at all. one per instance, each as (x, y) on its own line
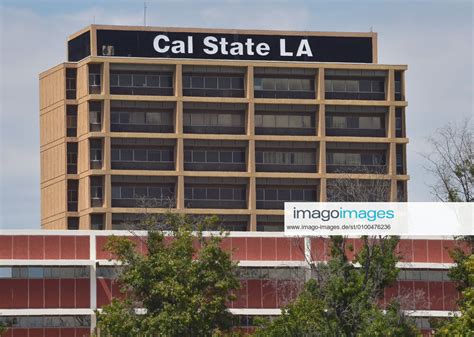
(252, 193)
(392, 157)
(179, 138)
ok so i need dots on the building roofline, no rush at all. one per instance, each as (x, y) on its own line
(372, 35)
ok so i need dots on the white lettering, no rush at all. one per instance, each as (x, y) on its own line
(283, 51)
(236, 48)
(190, 44)
(178, 47)
(263, 49)
(249, 44)
(304, 48)
(156, 43)
(210, 42)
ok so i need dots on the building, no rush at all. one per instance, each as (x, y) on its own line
(225, 122)
(52, 281)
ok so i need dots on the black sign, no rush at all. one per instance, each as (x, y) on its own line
(125, 43)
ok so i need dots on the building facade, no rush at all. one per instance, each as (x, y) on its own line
(51, 282)
(224, 122)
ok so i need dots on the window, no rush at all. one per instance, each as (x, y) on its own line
(139, 80)
(295, 84)
(225, 120)
(369, 123)
(114, 80)
(154, 155)
(197, 82)
(213, 193)
(71, 121)
(269, 121)
(225, 157)
(271, 194)
(137, 118)
(5, 272)
(153, 81)
(238, 156)
(378, 86)
(224, 82)
(284, 195)
(237, 83)
(338, 85)
(212, 156)
(125, 80)
(94, 80)
(166, 81)
(140, 155)
(281, 84)
(96, 154)
(96, 192)
(268, 84)
(126, 192)
(210, 82)
(95, 117)
(167, 155)
(152, 118)
(281, 121)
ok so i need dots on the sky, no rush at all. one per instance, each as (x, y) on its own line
(434, 38)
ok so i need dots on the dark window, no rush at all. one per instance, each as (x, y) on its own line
(226, 194)
(226, 157)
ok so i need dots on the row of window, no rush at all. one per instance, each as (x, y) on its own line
(269, 194)
(353, 122)
(283, 84)
(214, 156)
(213, 82)
(355, 159)
(141, 118)
(355, 85)
(423, 275)
(214, 119)
(142, 155)
(138, 192)
(283, 121)
(141, 80)
(215, 193)
(70, 321)
(285, 158)
(274, 273)
(53, 272)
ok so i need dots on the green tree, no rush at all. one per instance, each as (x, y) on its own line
(462, 325)
(3, 329)
(181, 289)
(341, 297)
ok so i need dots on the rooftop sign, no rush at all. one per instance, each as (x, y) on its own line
(307, 47)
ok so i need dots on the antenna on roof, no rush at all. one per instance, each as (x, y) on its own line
(144, 13)
(371, 29)
(93, 19)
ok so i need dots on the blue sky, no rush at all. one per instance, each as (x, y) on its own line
(435, 39)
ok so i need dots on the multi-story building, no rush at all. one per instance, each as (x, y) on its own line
(224, 122)
(51, 282)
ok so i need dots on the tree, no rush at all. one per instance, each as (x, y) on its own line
(463, 325)
(451, 162)
(3, 329)
(181, 285)
(341, 297)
